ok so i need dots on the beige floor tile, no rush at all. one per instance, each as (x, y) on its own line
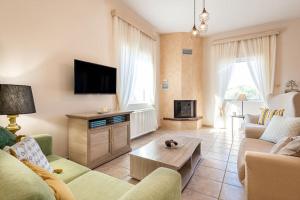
(233, 158)
(205, 186)
(193, 195)
(115, 171)
(232, 167)
(232, 179)
(219, 150)
(235, 147)
(234, 152)
(210, 173)
(220, 144)
(217, 156)
(230, 192)
(122, 161)
(213, 163)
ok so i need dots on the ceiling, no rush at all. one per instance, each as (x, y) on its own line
(225, 15)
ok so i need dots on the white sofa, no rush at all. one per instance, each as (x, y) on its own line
(268, 176)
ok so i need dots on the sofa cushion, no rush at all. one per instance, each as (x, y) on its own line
(281, 127)
(249, 144)
(61, 190)
(254, 130)
(15, 176)
(98, 186)
(71, 170)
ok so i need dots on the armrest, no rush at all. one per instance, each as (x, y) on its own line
(45, 143)
(253, 119)
(271, 176)
(254, 130)
(162, 184)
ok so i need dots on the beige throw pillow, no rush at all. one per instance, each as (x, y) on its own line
(282, 143)
(292, 148)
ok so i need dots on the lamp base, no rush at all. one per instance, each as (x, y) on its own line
(13, 126)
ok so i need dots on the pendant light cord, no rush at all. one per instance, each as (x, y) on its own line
(194, 12)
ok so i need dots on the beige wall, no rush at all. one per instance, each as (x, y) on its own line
(287, 67)
(38, 42)
(181, 71)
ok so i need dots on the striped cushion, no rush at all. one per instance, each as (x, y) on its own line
(267, 114)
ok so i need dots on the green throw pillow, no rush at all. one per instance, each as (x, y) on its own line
(6, 138)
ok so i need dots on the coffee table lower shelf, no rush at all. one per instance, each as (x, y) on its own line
(140, 167)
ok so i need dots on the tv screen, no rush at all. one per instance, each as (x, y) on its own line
(92, 78)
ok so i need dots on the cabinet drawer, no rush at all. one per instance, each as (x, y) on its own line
(99, 144)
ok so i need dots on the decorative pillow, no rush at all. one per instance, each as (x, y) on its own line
(292, 148)
(61, 190)
(283, 142)
(7, 138)
(28, 149)
(267, 114)
(281, 127)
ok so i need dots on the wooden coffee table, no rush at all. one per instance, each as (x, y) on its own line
(153, 155)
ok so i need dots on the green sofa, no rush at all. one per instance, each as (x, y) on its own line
(17, 182)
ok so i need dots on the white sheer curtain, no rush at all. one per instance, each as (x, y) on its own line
(135, 55)
(224, 56)
(262, 53)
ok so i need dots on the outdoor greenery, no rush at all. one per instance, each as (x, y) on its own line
(233, 93)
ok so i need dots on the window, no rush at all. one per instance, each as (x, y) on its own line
(143, 88)
(241, 82)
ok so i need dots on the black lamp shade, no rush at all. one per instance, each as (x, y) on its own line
(16, 99)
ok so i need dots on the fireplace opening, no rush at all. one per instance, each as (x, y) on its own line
(185, 108)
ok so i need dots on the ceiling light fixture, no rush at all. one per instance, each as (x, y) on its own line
(195, 31)
(204, 16)
(203, 27)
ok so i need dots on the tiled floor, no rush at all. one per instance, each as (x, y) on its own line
(216, 175)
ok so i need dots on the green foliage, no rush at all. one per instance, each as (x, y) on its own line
(233, 93)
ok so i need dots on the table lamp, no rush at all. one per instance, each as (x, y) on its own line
(242, 97)
(15, 100)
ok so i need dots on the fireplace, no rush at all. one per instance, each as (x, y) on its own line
(185, 108)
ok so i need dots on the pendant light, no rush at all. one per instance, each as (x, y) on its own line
(195, 31)
(204, 16)
(203, 27)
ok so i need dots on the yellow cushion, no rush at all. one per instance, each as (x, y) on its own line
(267, 114)
(61, 190)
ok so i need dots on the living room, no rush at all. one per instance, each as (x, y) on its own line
(187, 99)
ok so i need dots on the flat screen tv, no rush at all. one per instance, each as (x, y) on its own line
(92, 78)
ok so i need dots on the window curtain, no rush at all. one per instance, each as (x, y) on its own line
(135, 55)
(262, 53)
(224, 56)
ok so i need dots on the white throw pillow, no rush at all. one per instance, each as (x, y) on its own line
(28, 149)
(281, 127)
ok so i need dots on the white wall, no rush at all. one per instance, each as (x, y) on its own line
(39, 40)
(287, 66)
